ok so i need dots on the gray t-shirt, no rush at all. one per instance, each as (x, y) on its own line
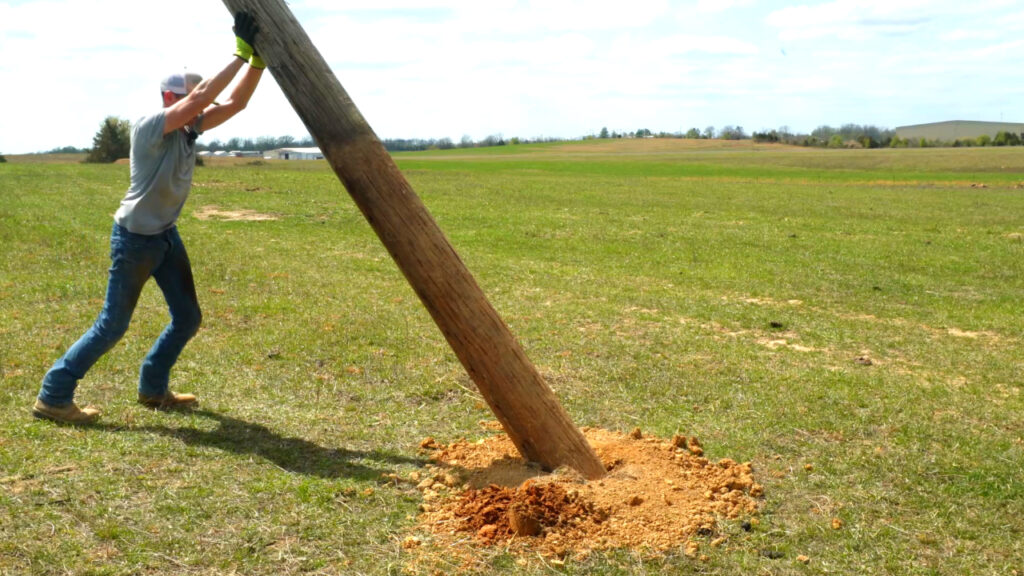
(161, 177)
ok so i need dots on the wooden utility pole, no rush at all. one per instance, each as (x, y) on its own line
(517, 394)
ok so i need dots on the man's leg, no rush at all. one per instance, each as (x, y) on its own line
(130, 267)
(174, 276)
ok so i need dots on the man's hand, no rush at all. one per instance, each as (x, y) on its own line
(245, 35)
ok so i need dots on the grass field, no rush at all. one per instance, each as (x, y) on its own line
(848, 321)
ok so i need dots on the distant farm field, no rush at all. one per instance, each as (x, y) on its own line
(848, 321)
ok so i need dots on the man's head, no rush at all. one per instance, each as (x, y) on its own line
(177, 86)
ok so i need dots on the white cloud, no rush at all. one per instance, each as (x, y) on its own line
(960, 35)
(715, 6)
(590, 14)
(870, 19)
(687, 44)
(1005, 49)
(852, 19)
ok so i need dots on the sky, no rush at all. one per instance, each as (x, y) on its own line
(530, 68)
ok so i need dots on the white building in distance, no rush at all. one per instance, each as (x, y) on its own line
(294, 154)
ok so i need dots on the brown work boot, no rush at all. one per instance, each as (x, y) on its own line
(70, 414)
(168, 400)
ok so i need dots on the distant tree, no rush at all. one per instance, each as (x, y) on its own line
(111, 142)
(445, 144)
(866, 136)
(824, 133)
(643, 133)
(851, 132)
(772, 136)
(267, 143)
(2, 159)
(984, 140)
(835, 141)
(604, 133)
(466, 142)
(414, 144)
(709, 133)
(693, 134)
(67, 150)
(1004, 138)
(878, 136)
(732, 133)
(493, 140)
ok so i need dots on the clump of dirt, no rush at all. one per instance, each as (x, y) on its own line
(658, 495)
(499, 512)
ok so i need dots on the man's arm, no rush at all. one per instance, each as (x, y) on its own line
(183, 111)
(201, 97)
(219, 113)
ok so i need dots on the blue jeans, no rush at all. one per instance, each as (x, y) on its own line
(134, 259)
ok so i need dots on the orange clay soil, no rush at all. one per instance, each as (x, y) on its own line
(658, 495)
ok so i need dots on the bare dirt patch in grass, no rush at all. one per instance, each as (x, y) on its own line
(659, 495)
(777, 343)
(215, 213)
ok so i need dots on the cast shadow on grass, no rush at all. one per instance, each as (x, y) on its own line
(291, 454)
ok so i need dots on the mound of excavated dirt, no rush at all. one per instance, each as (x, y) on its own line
(658, 495)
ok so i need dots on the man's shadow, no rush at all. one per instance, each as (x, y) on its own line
(291, 454)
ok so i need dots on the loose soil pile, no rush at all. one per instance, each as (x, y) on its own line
(658, 495)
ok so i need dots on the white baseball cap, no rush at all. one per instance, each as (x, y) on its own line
(181, 83)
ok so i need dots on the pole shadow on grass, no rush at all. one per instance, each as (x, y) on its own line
(291, 454)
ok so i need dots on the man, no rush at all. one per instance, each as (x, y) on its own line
(145, 243)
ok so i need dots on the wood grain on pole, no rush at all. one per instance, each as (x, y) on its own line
(513, 388)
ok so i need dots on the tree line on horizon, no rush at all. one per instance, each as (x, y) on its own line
(112, 140)
(846, 136)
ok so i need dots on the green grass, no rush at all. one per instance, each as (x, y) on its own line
(724, 292)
